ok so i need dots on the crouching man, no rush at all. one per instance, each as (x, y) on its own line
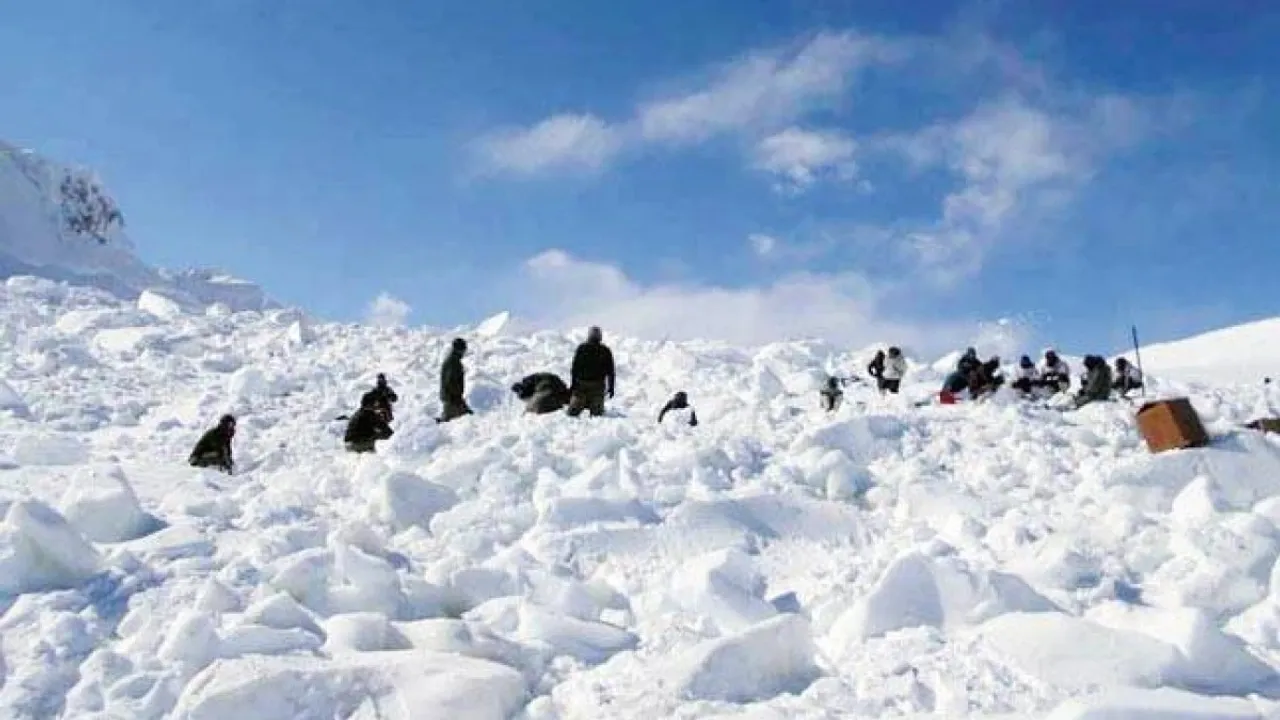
(542, 393)
(214, 447)
(366, 427)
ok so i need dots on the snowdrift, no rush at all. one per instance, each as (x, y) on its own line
(999, 559)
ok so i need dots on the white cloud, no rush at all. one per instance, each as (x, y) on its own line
(763, 245)
(387, 311)
(801, 156)
(763, 88)
(556, 290)
(1011, 158)
(568, 141)
(753, 94)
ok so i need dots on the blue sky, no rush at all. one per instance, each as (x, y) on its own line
(744, 169)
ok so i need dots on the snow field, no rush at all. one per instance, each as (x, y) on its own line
(999, 559)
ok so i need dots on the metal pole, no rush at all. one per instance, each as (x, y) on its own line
(1138, 355)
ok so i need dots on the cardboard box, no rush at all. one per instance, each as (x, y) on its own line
(1171, 424)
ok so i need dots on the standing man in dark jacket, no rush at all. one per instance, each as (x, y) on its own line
(592, 376)
(453, 383)
(214, 447)
(366, 426)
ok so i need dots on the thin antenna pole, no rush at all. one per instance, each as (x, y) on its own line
(1138, 354)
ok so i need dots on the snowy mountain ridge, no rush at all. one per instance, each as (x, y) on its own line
(997, 559)
(58, 222)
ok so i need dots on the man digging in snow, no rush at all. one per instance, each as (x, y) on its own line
(1128, 377)
(214, 447)
(383, 398)
(592, 376)
(1056, 374)
(1097, 382)
(679, 402)
(366, 426)
(542, 392)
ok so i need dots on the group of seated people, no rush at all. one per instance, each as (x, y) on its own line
(1052, 377)
(977, 378)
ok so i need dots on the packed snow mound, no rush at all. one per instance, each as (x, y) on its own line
(60, 223)
(895, 557)
(1247, 353)
(407, 685)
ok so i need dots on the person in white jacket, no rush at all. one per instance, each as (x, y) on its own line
(895, 369)
(1127, 377)
(1026, 377)
(1055, 375)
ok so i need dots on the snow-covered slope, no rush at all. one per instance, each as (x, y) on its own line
(59, 223)
(1246, 353)
(998, 559)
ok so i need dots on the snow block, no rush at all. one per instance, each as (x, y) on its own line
(1212, 661)
(571, 512)
(447, 635)
(101, 504)
(261, 640)
(359, 632)
(944, 592)
(156, 304)
(493, 325)
(11, 401)
(342, 579)
(408, 684)
(1160, 704)
(49, 449)
(774, 657)
(282, 612)
(40, 550)
(589, 642)
(246, 383)
(300, 333)
(404, 500)
(1076, 654)
(192, 640)
(171, 543)
(723, 587)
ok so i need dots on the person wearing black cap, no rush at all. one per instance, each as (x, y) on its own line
(366, 426)
(1127, 377)
(831, 394)
(1056, 374)
(542, 392)
(592, 376)
(1025, 378)
(892, 372)
(383, 398)
(679, 401)
(214, 447)
(1097, 381)
(453, 383)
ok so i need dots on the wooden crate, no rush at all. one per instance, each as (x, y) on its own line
(1171, 424)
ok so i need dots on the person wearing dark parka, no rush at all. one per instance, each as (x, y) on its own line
(1097, 381)
(592, 376)
(214, 447)
(366, 426)
(453, 383)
